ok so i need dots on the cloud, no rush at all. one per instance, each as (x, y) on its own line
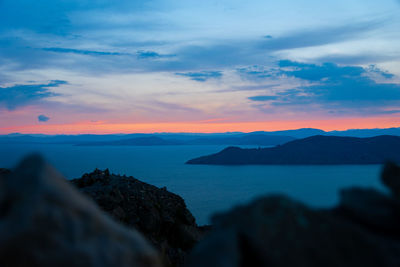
(106, 35)
(349, 88)
(232, 53)
(147, 54)
(201, 76)
(357, 59)
(314, 72)
(22, 95)
(141, 54)
(263, 98)
(43, 118)
(321, 36)
(256, 71)
(376, 70)
(151, 55)
(83, 52)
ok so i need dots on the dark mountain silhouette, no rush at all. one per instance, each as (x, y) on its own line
(313, 150)
(243, 139)
(298, 133)
(239, 139)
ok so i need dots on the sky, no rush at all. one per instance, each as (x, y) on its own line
(125, 66)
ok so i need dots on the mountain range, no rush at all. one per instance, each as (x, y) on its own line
(230, 138)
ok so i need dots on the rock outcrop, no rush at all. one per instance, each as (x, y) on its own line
(44, 221)
(278, 231)
(157, 213)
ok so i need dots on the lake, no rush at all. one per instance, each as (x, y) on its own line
(206, 189)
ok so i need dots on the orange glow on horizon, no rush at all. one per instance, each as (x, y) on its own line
(203, 127)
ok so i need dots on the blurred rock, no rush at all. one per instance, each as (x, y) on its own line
(277, 231)
(4, 172)
(44, 221)
(391, 178)
(371, 209)
(157, 213)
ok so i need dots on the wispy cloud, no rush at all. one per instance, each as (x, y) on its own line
(321, 36)
(83, 52)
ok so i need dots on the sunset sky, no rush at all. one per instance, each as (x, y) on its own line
(124, 66)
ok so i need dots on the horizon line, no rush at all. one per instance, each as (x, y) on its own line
(189, 133)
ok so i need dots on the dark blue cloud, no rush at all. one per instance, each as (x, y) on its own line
(337, 87)
(201, 76)
(82, 52)
(147, 54)
(23, 95)
(151, 55)
(314, 72)
(43, 118)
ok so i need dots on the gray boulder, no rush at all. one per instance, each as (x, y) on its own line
(44, 221)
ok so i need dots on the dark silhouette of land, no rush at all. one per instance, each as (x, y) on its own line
(243, 139)
(312, 150)
(138, 141)
(260, 138)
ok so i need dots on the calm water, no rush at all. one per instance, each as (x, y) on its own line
(206, 189)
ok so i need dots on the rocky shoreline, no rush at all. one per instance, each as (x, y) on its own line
(48, 221)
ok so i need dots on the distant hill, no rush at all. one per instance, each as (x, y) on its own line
(138, 141)
(258, 139)
(312, 150)
(298, 133)
(239, 139)
(366, 132)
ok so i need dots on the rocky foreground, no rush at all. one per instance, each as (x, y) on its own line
(46, 221)
(161, 216)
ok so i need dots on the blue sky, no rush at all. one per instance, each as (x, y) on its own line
(159, 62)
